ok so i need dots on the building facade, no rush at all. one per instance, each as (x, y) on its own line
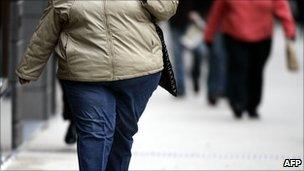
(23, 108)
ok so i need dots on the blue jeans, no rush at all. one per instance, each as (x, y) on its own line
(217, 67)
(106, 116)
(178, 51)
(199, 53)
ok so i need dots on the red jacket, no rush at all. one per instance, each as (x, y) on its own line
(249, 20)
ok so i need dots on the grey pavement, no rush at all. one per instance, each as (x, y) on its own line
(187, 134)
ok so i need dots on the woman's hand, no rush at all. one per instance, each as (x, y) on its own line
(23, 81)
(143, 1)
(194, 16)
(162, 10)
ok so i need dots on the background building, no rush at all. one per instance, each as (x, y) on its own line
(35, 101)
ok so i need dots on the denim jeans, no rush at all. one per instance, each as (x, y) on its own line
(178, 51)
(217, 67)
(106, 116)
(199, 54)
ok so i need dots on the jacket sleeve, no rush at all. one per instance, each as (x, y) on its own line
(283, 13)
(161, 9)
(214, 19)
(41, 44)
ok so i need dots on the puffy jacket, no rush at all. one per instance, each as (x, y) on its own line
(98, 40)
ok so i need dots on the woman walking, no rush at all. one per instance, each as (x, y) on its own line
(110, 59)
(247, 27)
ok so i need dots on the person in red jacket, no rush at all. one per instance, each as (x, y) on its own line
(247, 27)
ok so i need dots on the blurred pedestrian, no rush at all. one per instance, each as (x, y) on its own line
(247, 27)
(297, 9)
(70, 136)
(300, 11)
(110, 63)
(217, 70)
(189, 12)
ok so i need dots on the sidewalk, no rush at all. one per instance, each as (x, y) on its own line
(187, 134)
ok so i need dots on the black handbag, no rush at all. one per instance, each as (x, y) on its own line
(167, 80)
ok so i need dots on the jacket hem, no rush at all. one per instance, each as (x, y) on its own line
(115, 78)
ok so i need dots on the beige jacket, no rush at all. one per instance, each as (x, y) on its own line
(98, 40)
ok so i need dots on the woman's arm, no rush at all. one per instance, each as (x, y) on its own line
(41, 44)
(283, 13)
(161, 9)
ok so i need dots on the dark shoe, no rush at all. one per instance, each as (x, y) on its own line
(71, 136)
(181, 93)
(196, 86)
(212, 100)
(253, 114)
(237, 112)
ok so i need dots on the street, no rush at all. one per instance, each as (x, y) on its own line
(187, 134)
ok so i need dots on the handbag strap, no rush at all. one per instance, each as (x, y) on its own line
(168, 76)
